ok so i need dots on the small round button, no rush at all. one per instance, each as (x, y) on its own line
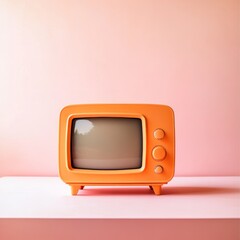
(159, 153)
(158, 169)
(159, 133)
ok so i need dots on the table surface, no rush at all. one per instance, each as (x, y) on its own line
(182, 198)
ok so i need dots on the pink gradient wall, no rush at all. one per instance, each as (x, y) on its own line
(185, 54)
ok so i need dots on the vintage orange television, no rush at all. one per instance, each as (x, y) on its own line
(116, 144)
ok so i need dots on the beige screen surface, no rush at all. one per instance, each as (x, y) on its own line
(106, 143)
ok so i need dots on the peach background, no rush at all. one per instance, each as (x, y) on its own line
(185, 54)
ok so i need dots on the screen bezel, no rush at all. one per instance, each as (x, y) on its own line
(107, 115)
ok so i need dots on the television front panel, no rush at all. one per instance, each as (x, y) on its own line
(116, 144)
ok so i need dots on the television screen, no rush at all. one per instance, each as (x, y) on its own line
(106, 143)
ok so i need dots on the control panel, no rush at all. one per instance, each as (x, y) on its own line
(159, 153)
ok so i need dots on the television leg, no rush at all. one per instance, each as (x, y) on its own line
(75, 188)
(156, 189)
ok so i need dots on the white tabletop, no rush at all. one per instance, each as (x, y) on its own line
(182, 198)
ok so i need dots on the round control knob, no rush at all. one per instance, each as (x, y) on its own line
(159, 134)
(159, 153)
(158, 169)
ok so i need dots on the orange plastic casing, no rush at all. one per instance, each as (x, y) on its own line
(158, 153)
